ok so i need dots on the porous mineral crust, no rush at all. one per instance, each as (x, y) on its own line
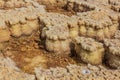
(57, 26)
(112, 52)
(53, 3)
(99, 27)
(24, 22)
(55, 19)
(117, 34)
(89, 50)
(115, 5)
(73, 26)
(10, 4)
(74, 72)
(80, 6)
(5, 35)
(56, 33)
(9, 71)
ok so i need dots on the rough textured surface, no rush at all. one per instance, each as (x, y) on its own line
(93, 25)
(9, 71)
(113, 52)
(74, 72)
(89, 50)
(55, 33)
(19, 25)
(80, 6)
(115, 5)
(117, 34)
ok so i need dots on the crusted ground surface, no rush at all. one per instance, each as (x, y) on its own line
(59, 40)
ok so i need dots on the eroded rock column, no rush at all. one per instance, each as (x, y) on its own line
(89, 50)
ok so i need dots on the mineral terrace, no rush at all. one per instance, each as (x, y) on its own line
(59, 39)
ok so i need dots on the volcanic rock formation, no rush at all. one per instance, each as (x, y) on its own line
(84, 29)
(112, 52)
(89, 50)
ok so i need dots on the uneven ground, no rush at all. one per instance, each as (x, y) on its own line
(45, 52)
(27, 54)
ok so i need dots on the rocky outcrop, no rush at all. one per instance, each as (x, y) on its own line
(73, 26)
(89, 50)
(24, 22)
(95, 26)
(5, 35)
(112, 52)
(56, 33)
(93, 21)
(79, 6)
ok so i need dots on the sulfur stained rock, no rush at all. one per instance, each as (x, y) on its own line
(26, 29)
(23, 17)
(1, 3)
(16, 30)
(14, 25)
(4, 35)
(100, 34)
(112, 52)
(73, 26)
(95, 26)
(106, 32)
(34, 24)
(17, 25)
(89, 50)
(38, 61)
(56, 38)
(82, 28)
(2, 46)
(56, 33)
(9, 71)
(50, 19)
